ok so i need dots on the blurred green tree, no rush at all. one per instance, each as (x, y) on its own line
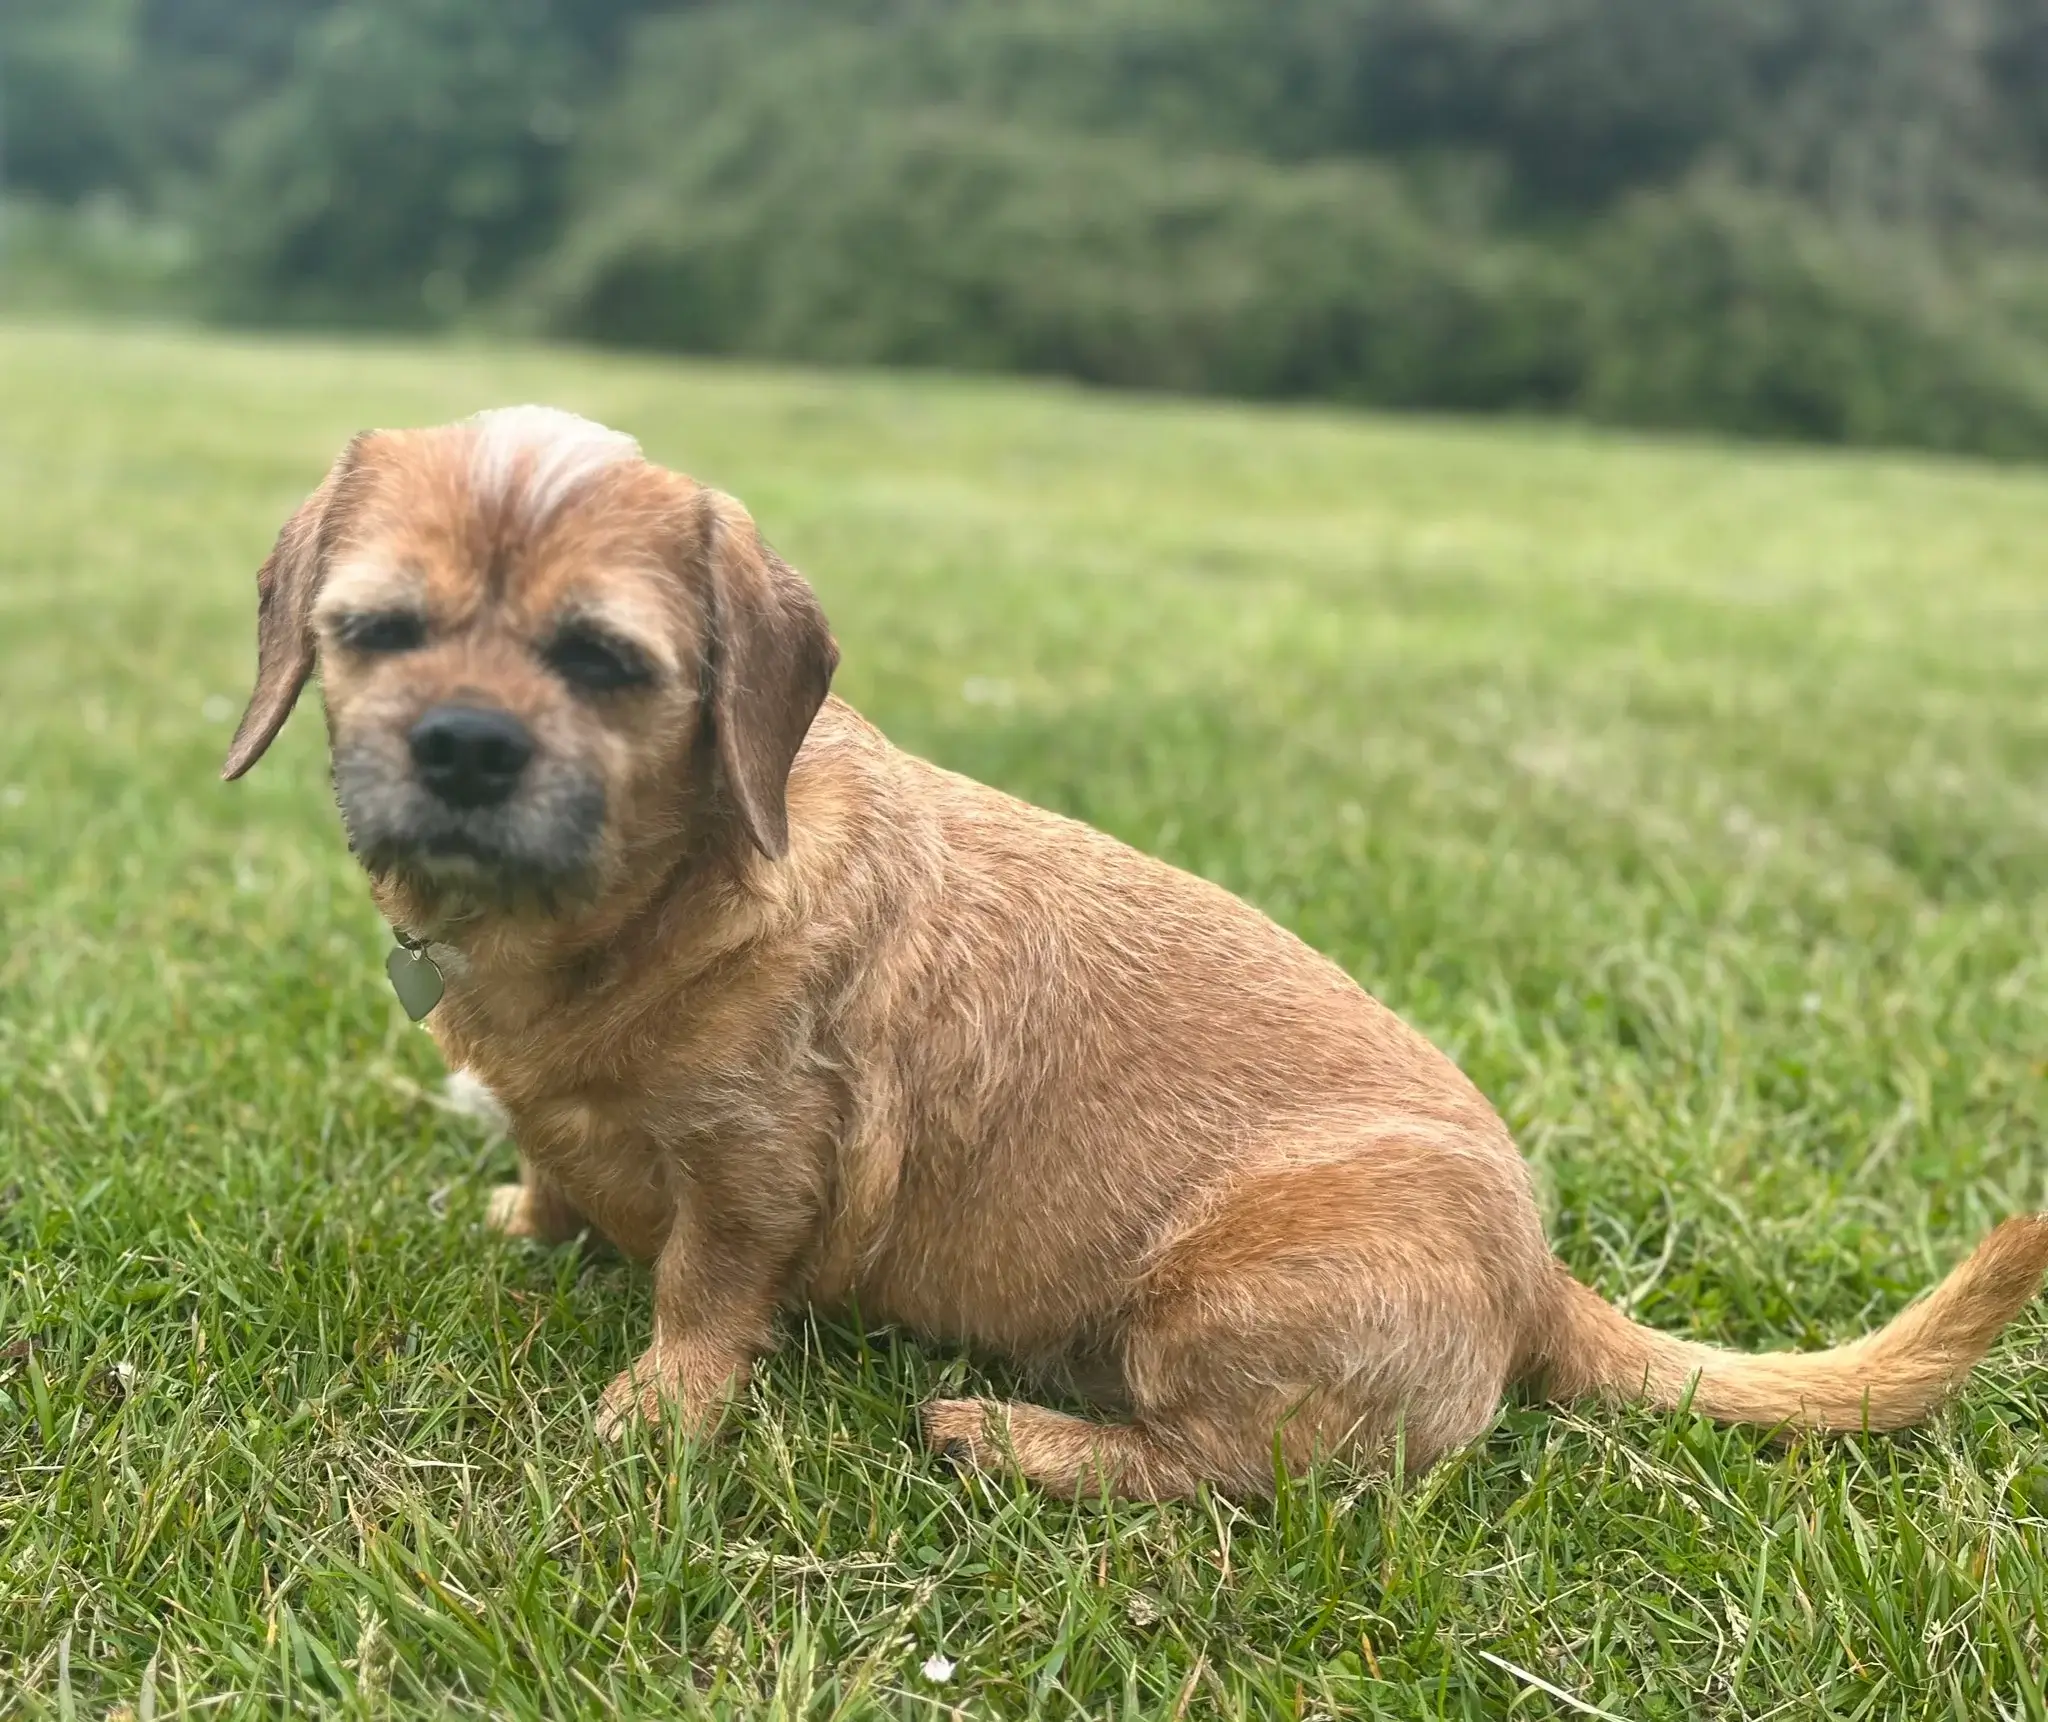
(413, 154)
(1821, 218)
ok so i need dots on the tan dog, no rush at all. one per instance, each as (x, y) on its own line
(799, 1018)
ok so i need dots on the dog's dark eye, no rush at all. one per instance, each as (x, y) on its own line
(382, 631)
(595, 662)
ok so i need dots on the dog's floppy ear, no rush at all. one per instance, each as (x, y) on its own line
(286, 586)
(770, 665)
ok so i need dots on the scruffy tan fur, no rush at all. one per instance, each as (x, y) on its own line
(844, 1026)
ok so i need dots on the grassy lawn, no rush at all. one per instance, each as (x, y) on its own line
(1695, 799)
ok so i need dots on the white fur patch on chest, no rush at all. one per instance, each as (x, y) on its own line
(536, 458)
(467, 1095)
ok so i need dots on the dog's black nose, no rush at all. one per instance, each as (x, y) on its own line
(469, 756)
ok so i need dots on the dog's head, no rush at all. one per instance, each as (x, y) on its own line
(542, 657)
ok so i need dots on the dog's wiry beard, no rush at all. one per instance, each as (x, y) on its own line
(537, 852)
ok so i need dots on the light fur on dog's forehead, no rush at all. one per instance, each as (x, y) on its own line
(538, 457)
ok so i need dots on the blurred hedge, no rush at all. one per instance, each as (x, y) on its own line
(820, 202)
(1815, 218)
(1712, 307)
(938, 239)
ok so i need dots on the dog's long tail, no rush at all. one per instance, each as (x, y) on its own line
(1886, 1380)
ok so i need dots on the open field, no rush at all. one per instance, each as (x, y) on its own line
(1696, 799)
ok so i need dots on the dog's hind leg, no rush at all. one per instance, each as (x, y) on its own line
(1062, 1455)
(1362, 1307)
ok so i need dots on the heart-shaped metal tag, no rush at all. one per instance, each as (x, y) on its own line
(415, 979)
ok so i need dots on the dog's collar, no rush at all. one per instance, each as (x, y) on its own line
(415, 976)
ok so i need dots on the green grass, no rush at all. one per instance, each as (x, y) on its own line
(1695, 799)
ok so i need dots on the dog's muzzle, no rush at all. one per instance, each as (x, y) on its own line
(466, 795)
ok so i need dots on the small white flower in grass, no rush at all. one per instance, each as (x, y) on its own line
(988, 691)
(216, 708)
(13, 795)
(938, 1668)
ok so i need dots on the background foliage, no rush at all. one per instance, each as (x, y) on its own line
(1818, 218)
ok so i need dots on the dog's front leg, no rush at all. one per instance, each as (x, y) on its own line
(714, 1310)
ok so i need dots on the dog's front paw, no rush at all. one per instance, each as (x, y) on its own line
(963, 1432)
(635, 1397)
(535, 1210)
(627, 1401)
(656, 1391)
(511, 1211)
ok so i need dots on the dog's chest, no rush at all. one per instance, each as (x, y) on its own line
(604, 1159)
(617, 1142)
